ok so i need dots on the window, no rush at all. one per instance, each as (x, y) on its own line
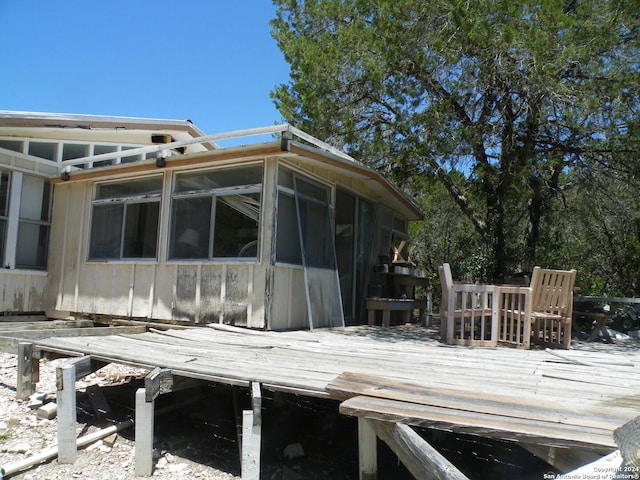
(34, 223)
(4, 210)
(216, 214)
(124, 222)
(43, 150)
(13, 145)
(311, 200)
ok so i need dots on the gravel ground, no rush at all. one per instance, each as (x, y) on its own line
(22, 434)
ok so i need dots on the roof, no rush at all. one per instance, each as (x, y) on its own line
(9, 118)
(293, 142)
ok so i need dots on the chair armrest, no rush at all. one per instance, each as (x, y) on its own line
(472, 287)
(514, 289)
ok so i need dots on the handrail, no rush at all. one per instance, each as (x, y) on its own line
(586, 298)
(67, 164)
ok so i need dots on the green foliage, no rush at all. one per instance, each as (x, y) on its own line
(5, 434)
(495, 109)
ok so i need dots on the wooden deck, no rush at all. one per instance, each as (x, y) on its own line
(546, 398)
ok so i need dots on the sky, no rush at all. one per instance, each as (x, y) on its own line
(213, 62)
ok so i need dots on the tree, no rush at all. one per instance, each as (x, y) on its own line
(516, 95)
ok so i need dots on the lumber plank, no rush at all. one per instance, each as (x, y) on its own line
(484, 425)
(420, 458)
(519, 407)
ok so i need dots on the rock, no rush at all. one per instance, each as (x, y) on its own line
(293, 450)
(21, 447)
(110, 440)
(36, 400)
(178, 467)
(104, 448)
(47, 411)
(95, 445)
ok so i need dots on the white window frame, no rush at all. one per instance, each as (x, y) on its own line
(13, 221)
(213, 195)
(126, 201)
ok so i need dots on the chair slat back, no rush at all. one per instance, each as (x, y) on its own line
(552, 291)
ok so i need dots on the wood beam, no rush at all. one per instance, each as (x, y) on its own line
(66, 376)
(367, 450)
(143, 434)
(564, 459)
(67, 415)
(251, 436)
(28, 371)
(420, 458)
(159, 381)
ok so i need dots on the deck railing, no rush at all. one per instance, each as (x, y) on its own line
(163, 150)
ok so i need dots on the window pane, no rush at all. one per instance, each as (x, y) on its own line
(102, 149)
(312, 190)
(43, 150)
(288, 239)
(74, 150)
(139, 187)
(130, 158)
(106, 231)
(191, 220)
(236, 228)
(285, 177)
(32, 245)
(221, 178)
(314, 223)
(4, 193)
(13, 145)
(141, 230)
(3, 230)
(34, 199)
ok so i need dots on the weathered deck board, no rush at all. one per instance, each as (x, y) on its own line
(537, 431)
(601, 387)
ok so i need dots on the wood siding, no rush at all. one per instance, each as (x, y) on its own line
(229, 293)
(23, 291)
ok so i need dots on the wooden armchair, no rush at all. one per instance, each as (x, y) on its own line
(468, 312)
(539, 313)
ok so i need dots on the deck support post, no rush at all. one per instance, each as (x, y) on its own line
(367, 450)
(251, 436)
(28, 371)
(66, 376)
(420, 458)
(67, 415)
(145, 403)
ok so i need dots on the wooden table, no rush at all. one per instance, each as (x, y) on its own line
(600, 326)
(388, 305)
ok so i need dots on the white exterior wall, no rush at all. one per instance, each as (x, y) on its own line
(176, 292)
(21, 290)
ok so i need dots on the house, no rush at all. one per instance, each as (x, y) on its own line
(150, 219)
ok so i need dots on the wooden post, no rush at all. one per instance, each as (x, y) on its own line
(66, 377)
(28, 371)
(420, 458)
(367, 450)
(144, 434)
(67, 417)
(251, 436)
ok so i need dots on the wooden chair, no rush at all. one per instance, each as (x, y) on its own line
(539, 313)
(468, 312)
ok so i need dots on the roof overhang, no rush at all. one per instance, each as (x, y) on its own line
(310, 155)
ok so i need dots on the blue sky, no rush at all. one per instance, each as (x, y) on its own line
(210, 61)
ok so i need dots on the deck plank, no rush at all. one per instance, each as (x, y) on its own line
(564, 388)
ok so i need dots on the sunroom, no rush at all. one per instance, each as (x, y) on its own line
(277, 234)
